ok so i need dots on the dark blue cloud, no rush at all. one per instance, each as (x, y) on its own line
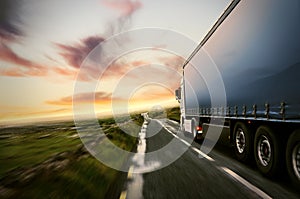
(9, 20)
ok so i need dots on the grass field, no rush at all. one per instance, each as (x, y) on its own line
(49, 160)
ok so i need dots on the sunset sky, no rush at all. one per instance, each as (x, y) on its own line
(43, 45)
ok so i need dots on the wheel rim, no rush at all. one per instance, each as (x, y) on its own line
(296, 160)
(264, 150)
(240, 140)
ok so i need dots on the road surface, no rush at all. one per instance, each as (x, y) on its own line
(217, 175)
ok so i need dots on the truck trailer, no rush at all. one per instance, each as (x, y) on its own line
(241, 84)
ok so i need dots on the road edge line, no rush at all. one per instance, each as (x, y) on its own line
(229, 172)
(250, 186)
(187, 144)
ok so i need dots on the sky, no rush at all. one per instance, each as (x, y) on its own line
(54, 51)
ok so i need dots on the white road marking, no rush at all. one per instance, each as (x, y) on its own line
(245, 183)
(130, 172)
(134, 187)
(123, 195)
(188, 144)
(229, 172)
(174, 122)
(203, 154)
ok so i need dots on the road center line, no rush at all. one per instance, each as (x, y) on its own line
(130, 172)
(245, 183)
(123, 195)
(134, 187)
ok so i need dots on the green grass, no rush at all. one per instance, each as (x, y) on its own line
(28, 150)
(26, 146)
(86, 178)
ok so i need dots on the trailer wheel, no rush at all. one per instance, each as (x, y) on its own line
(268, 153)
(243, 142)
(293, 157)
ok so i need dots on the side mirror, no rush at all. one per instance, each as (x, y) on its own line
(178, 94)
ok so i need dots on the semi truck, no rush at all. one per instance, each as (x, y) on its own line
(241, 85)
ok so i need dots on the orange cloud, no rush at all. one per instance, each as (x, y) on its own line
(100, 97)
(139, 63)
(153, 92)
(65, 72)
(27, 114)
(148, 93)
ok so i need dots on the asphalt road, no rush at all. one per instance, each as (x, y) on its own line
(194, 175)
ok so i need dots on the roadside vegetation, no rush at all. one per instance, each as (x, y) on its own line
(170, 113)
(173, 114)
(49, 160)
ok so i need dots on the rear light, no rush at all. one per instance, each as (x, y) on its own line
(199, 128)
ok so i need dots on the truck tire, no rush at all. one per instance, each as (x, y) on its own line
(243, 142)
(293, 157)
(267, 151)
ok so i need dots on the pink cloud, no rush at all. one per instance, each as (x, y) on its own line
(74, 54)
(8, 55)
(10, 32)
(25, 66)
(175, 62)
(125, 7)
